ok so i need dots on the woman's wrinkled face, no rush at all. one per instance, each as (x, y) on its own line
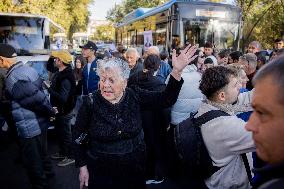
(112, 85)
(78, 64)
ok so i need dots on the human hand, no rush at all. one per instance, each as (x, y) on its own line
(185, 57)
(55, 110)
(46, 83)
(83, 176)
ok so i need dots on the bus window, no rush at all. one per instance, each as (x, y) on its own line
(221, 34)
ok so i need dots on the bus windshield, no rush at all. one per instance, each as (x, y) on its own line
(219, 25)
(22, 32)
(222, 34)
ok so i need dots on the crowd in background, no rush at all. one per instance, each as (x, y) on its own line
(135, 99)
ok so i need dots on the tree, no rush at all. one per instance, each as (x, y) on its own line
(117, 13)
(263, 21)
(104, 33)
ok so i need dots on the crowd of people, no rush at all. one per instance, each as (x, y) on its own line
(112, 115)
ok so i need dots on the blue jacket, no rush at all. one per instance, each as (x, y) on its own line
(164, 70)
(244, 115)
(91, 80)
(31, 108)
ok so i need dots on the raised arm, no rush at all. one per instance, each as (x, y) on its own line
(150, 100)
(179, 62)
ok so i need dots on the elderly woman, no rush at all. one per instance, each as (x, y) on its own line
(115, 154)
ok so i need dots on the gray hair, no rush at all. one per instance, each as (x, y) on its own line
(251, 59)
(112, 63)
(154, 50)
(132, 50)
(236, 67)
(256, 44)
(274, 70)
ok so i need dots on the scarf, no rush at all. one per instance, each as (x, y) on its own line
(232, 109)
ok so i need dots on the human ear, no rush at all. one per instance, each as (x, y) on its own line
(221, 96)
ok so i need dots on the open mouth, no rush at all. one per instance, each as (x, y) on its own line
(108, 93)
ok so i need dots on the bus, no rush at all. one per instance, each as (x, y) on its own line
(180, 22)
(79, 39)
(31, 35)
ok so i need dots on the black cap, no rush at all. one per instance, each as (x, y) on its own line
(7, 51)
(90, 45)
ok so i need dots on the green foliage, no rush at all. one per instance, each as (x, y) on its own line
(117, 13)
(263, 21)
(72, 15)
(104, 33)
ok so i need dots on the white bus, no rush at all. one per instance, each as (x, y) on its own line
(31, 36)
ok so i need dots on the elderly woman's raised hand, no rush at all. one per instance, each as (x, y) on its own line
(185, 57)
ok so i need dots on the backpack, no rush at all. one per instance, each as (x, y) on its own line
(189, 153)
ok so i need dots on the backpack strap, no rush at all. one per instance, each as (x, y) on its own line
(208, 116)
(246, 163)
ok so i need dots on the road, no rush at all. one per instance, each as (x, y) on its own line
(13, 175)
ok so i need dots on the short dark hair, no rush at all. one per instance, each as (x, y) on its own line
(236, 55)
(214, 79)
(152, 62)
(278, 40)
(275, 70)
(223, 54)
(208, 60)
(164, 55)
(208, 45)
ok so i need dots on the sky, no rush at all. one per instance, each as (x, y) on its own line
(100, 8)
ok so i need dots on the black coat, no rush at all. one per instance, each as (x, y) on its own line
(274, 175)
(154, 123)
(62, 91)
(116, 144)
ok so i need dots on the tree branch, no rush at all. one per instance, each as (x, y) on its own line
(259, 19)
